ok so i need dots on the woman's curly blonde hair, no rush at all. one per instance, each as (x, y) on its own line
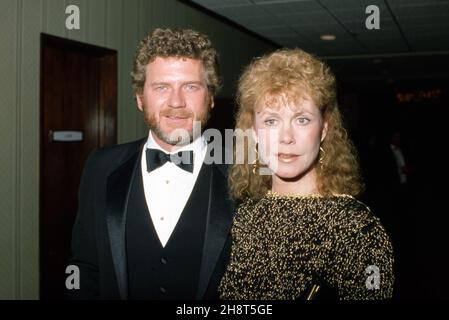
(176, 43)
(297, 74)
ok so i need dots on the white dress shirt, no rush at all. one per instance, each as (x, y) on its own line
(168, 187)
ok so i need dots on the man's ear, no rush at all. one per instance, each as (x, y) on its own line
(324, 131)
(212, 102)
(139, 102)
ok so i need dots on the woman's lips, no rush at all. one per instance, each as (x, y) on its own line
(287, 157)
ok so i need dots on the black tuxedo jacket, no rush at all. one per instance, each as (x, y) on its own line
(98, 238)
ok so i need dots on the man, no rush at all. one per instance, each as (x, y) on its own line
(151, 226)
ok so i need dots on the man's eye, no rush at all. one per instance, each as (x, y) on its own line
(161, 88)
(191, 87)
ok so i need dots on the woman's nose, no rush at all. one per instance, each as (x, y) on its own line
(286, 135)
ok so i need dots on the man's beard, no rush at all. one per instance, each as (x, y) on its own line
(169, 137)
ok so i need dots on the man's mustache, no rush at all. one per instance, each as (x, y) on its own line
(178, 113)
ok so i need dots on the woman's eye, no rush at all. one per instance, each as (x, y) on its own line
(303, 121)
(270, 122)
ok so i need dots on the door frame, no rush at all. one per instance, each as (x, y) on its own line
(107, 112)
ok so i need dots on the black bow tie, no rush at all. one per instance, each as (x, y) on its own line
(157, 158)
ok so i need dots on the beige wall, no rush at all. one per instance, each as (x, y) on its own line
(116, 24)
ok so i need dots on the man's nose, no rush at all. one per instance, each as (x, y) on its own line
(176, 98)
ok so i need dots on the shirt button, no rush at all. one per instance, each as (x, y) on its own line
(163, 261)
(162, 289)
(167, 181)
(162, 218)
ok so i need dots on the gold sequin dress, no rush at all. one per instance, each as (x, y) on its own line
(284, 245)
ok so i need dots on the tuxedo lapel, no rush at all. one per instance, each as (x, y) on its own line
(219, 219)
(117, 195)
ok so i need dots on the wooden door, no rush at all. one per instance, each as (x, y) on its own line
(78, 97)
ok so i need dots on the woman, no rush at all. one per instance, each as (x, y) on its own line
(299, 233)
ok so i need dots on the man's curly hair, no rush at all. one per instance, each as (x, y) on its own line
(176, 43)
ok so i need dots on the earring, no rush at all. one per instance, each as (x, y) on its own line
(256, 163)
(321, 159)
